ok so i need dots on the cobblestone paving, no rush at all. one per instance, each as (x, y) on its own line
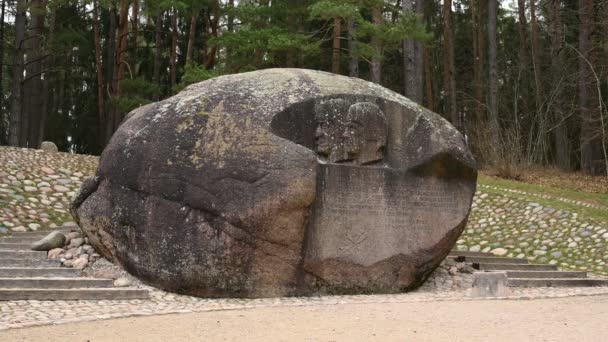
(27, 313)
(510, 223)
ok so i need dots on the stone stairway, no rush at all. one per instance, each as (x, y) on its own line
(29, 275)
(520, 273)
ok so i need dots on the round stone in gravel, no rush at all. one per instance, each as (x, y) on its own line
(80, 263)
(55, 253)
(122, 282)
(499, 251)
(76, 242)
(61, 188)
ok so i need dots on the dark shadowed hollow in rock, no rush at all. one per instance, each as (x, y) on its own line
(280, 182)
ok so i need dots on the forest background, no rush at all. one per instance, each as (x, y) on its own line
(525, 80)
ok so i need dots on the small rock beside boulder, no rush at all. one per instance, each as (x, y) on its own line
(122, 282)
(49, 146)
(54, 240)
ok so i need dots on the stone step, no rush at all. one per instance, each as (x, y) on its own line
(514, 267)
(11, 246)
(29, 272)
(42, 233)
(55, 283)
(21, 239)
(546, 274)
(556, 282)
(455, 253)
(73, 294)
(28, 262)
(492, 260)
(8, 254)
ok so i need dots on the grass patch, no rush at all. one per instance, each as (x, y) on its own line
(591, 198)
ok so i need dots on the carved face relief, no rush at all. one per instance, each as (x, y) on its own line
(366, 133)
(348, 133)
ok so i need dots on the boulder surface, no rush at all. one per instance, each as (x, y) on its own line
(280, 182)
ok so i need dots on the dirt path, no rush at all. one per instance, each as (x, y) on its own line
(565, 319)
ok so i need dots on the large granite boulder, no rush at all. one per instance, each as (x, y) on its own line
(280, 182)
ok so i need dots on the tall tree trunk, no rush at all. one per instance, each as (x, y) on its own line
(538, 86)
(230, 28)
(258, 52)
(561, 140)
(214, 28)
(121, 60)
(173, 61)
(157, 54)
(2, 127)
(477, 10)
(412, 58)
(376, 65)
(353, 64)
(135, 32)
(33, 84)
(409, 64)
(110, 67)
(191, 36)
(419, 56)
(523, 55)
(17, 81)
(292, 27)
(590, 136)
(100, 84)
(449, 79)
(48, 79)
(335, 57)
(493, 73)
(428, 82)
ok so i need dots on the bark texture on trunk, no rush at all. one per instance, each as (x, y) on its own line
(412, 57)
(429, 98)
(173, 59)
(538, 86)
(110, 67)
(33, 84)
(376, 65)
(419, 57)
(48, 65)
(135, 32)
(523, 55)
(592, 158)
(493, 73)
(157, 49)
(335, 57)
(2, 11)
(191, 37)
(449, 80)
(477, 11)
(561, 141)
(353, 64)
(409, 59)
(17, 80)
(121, 53)
(214, 31)
(101, 118)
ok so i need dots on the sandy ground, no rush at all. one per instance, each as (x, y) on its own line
(566, 319)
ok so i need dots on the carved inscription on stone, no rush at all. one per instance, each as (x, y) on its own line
(377, 212)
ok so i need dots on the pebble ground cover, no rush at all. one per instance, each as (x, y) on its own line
(36, 188)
